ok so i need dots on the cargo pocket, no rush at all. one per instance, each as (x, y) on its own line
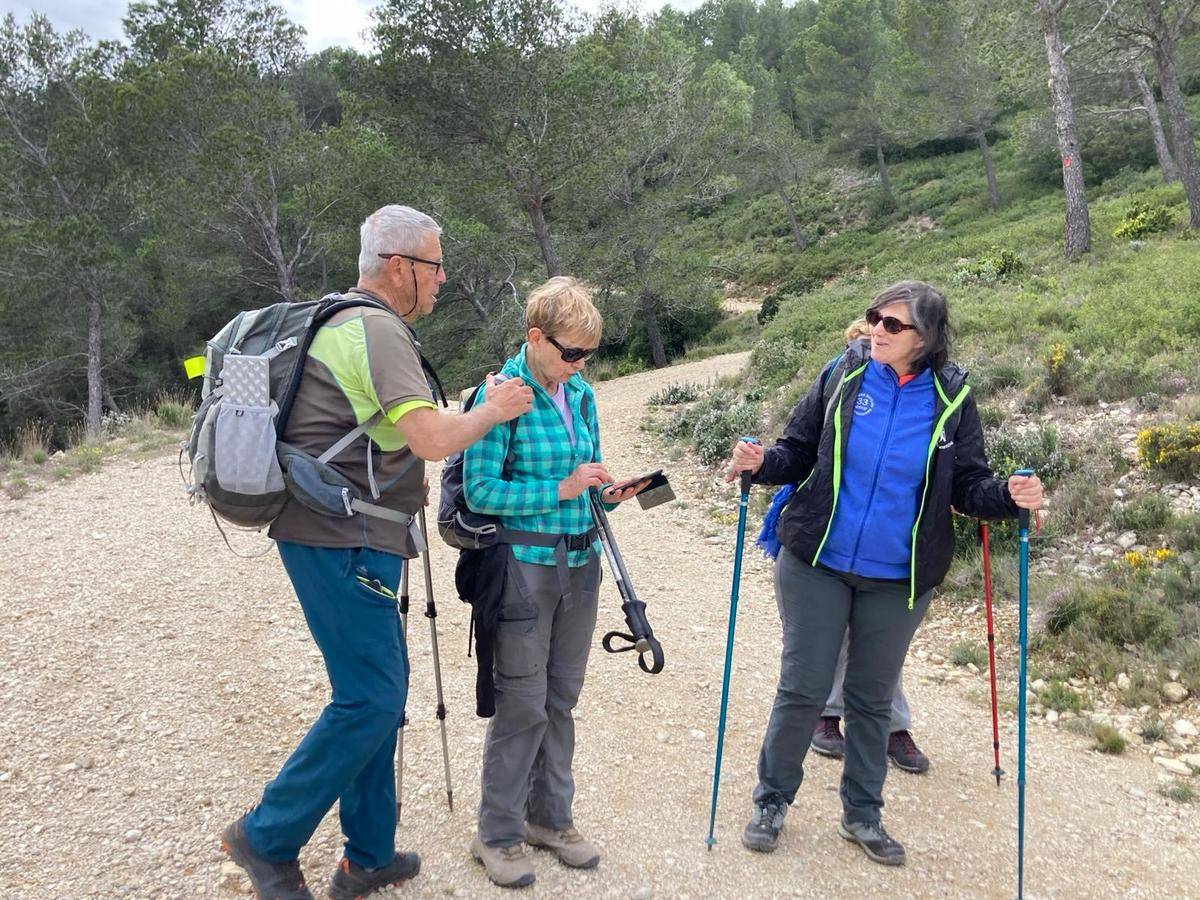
(244, 458)
(517, 653)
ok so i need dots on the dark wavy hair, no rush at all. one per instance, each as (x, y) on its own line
(930, 313)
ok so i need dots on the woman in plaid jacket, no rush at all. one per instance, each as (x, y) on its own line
(536, 478)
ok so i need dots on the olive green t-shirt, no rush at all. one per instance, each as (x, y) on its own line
(363, 361)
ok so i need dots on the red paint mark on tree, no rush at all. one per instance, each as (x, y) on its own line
(1066, 162)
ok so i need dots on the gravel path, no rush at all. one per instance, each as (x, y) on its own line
(150, 683)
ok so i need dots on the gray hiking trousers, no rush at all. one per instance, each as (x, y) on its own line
(542, 647)
(836, 706)
(818, 607)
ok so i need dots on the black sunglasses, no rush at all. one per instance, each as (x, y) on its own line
(436, 263)
(571, 354)
(891, 324)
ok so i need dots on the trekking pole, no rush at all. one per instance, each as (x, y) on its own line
(431, 615)
(1023, 640)
(733, 603)
(991, 641)
(404, 712)
(641, 636)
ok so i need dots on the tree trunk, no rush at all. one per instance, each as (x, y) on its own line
(1078, 237)
(797, 237)
(94, 383)
(1166, 162)
(658, 353)
(989, 167)
(541, 231)
(883, 172)
(109, 400)
(1181, 126)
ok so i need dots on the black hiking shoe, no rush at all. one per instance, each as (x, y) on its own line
(906, 754)
(352, 881)
(270, 880)
(762, 831)
(879, 846)
(827, 737)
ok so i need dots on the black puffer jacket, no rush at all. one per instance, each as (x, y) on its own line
(957, 471)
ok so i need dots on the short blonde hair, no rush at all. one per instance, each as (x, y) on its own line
(563, 305)
(857, 329)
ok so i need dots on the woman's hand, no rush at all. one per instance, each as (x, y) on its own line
(588, 475)
(747, 457)
(611, 495)
(1026, 491)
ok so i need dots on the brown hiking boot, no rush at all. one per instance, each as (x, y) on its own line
(906, 754)
(571, 848)
(270, 880)
(827, 737)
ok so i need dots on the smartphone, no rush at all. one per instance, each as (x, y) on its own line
(628, 483)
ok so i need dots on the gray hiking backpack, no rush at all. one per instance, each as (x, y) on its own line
(238, 467)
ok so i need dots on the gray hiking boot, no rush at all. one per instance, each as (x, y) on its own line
(351, 881)
(762, 831)
(879, 846)
(270, 880)
(506, 866)
(571, 848)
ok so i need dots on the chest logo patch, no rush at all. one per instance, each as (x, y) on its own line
(864, 404)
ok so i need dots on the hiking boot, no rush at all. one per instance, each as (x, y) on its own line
(762, 831)
(270, 880)
(506, 866)
(827, 737)
(571, 848)
(906, 754)
(874, 840)
(352, 881)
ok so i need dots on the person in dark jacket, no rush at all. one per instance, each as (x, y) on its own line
(866, 537)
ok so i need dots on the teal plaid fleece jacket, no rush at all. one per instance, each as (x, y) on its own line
(543, 456)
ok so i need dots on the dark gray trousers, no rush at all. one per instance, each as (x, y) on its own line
(818, 607)
(542, 646)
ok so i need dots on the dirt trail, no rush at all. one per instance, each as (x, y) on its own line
(150, 683)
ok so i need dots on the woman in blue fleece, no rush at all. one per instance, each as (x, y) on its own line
(882, 446)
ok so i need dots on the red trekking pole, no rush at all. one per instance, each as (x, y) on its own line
(991, 637)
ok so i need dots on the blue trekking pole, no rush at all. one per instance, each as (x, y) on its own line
(1023, 642)
(733, 602)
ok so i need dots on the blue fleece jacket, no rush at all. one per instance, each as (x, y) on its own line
(882, 474)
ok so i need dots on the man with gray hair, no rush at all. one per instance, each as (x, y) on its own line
(363, 373)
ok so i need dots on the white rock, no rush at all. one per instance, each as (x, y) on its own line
(1123, 682)
(1174, 692)
(1127, 540)
(1052, 716)
(936, 658)
(645, 892)
(972, 668)
(1192, 760)
(696, 734)
(1039, 685)
(1173, 766)
(1184, 728)
(135, 834)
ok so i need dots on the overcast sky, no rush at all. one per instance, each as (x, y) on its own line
(327, 23)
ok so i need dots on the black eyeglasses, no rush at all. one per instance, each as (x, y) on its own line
(571, 354)
(891, 324)
(436, 263)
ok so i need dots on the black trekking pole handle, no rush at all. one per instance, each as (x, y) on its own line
(641, 635)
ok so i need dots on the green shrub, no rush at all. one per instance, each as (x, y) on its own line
(1149, 512)
(173, 414)
(1154, 729)
(1143, 219)
(776, 362)
(1183, 533)
(996, 265)
(675, 393)
(966, 652)
(1109, 740)
(769, 308)
(992, 416)
(996, 376)
(1178, 791)
(1187, 408)
(1115, 614)
(1059, 696)
(1036, 448)
(1171, 451)
(716, 429)
(1081, 502)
